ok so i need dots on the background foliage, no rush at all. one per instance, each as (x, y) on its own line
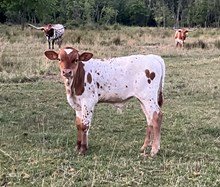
(166, 13)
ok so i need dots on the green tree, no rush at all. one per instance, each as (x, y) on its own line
(163, 14)
(88, 11)
(166, 13)
(21, 11)
(107, 15)
(46, 10)
(137, 12)
(199, 12)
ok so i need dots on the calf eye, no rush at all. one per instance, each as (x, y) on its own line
(74, 61)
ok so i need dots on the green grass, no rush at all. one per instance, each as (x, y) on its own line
(37, 126)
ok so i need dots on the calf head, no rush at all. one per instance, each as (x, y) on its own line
(181, 34)
(49, 30)
(69, 59)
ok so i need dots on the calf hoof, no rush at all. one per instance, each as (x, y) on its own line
(154, 152)
(83, 150)
(82, 153)
(76, 149)
(143, 148)
(78, 146)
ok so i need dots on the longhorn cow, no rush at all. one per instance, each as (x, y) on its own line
(52, 32)
(180, 36)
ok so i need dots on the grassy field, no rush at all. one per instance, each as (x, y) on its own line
(37, 126)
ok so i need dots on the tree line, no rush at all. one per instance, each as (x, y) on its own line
(161, 13)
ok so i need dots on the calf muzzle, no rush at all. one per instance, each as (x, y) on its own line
(67, 73)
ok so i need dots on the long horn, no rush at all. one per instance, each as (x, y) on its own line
(190, 30)
(176, 29)
(38, 28)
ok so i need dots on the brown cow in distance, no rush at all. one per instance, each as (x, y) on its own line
(180, 36)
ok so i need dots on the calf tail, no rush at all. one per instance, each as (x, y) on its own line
(160, 91)
(160, 99)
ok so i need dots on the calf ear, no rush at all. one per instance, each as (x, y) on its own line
(52, 55)
(85, 56)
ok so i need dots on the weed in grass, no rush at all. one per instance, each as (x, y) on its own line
(217, 44)
(117, 41)
(198, 44)
(116, 26)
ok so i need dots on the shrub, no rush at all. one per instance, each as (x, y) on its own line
(117, 41)
(217, 44)
(198, 44)
(116, 27)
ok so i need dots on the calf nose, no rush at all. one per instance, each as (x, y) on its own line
(67, 73)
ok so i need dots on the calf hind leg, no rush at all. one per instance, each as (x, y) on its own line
(156, 122)
(148, 138)
(149, 130)
(154, 119)
(59, 42)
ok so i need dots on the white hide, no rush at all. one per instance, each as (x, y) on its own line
(118, 79)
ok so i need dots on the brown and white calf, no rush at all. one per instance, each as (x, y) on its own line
(89, 81)
(180, 36)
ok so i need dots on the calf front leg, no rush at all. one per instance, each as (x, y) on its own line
(84, 138)
(48, 43)
(79, 133)
(53, 44)
(86, 119)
